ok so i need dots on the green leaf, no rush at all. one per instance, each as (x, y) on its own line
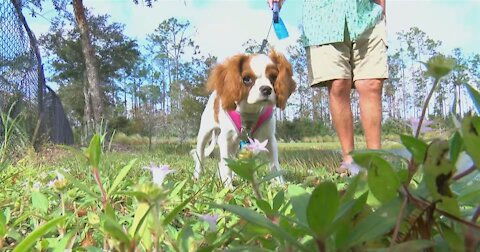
(374, 225)
(271, 175)
(351, 189)
(278, 200)
(456, 146)
(471, 138)
(30, 240)
(112, 227)
(40, 202)
(438, 170)
(415, 245)
(78, 184)
(475, 96)
(322, 208)
(244, 168)
(343, 220)
(63, 243)
(453, 239)
(264, 206)
(416, 147)
(3, 225)
(121, 175)
(247, 248)
(381, 153)
(177, 210)
(8, 214)
(351, 208)
(299, 200)
(363, 159)
(94, 151)
(139, 217)
(449, 205)
(186, 238)
(177, 189)
(259, 220)
(382, 180)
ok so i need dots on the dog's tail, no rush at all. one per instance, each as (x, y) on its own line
(202, 150)
(209, 148)
(213, 141)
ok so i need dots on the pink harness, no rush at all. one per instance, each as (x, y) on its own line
(237, 119)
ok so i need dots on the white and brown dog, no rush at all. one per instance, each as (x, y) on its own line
(245, 90)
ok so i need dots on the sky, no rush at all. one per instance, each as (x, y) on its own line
(220, 27)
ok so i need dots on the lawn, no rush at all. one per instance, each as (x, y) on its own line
(30, 199)
(52, 202)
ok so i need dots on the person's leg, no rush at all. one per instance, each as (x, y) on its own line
(370, 68)
(341, 111)
(370, 99)
(330, 66)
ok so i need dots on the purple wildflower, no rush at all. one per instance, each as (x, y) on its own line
(425, 125)
(159, 173)
(211, 220)
(256, 146)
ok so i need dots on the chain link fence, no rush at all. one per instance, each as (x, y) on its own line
(22, 86)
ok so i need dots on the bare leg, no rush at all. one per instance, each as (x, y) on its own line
(340, 108)
(370, 94)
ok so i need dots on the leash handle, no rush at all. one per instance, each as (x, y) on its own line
(276, 11)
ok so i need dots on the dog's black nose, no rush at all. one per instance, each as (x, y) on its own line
(265, 90)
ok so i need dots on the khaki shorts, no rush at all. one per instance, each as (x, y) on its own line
(365, 58)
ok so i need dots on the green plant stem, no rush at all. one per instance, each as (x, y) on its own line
(425, 106)
(62, 205)
(412, 169)
(256, 189)
(399, 222)
(321, 245)
(423, 204)
(62, 201)
(105, 243)
(156, 231)
(96, 175)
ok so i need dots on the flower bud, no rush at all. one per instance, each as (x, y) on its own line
(438, 66)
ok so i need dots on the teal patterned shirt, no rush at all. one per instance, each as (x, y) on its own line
(325, 21)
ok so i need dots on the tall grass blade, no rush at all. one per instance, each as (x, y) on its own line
(30, 240)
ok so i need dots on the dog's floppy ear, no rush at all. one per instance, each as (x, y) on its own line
(226, 79)
(284, 85)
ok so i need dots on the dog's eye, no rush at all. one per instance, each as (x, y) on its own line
(273, 78)
(247, 80)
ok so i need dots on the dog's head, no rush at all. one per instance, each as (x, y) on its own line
(254, 79)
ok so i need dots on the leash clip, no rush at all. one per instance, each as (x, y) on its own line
(276, 10)
(244, 138)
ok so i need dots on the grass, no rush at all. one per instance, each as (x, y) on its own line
(305, 164)
(301, 162)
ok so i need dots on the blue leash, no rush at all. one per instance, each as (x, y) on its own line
(278, 26)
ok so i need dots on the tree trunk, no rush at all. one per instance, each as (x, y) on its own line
(90, 63)
(40, 73)
(125, 110)
(87, 112)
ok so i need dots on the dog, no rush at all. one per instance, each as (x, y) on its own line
(245, 91)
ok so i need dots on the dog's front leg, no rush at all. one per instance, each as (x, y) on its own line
(228, 148)
(273, 155)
